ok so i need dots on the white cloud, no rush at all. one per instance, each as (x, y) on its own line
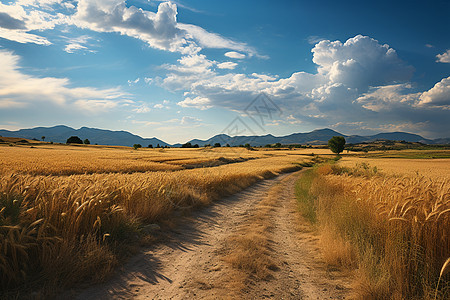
(345, 72)
(197, 102)
(190, 121)
(17, 19)
(95, 106)
(438, 96)
(159, 105)
(78, 43)
(21, 90)
(385, 97)
(264, 77)
(356, 79)
(444, 57)
(227, 65)
(21, 36)
(212, 40)
(71, 48)
(159, 29)
(234, 54)
(133, 82)
(142, 109)
(360, 62)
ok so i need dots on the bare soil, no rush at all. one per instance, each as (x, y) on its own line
(187, 262)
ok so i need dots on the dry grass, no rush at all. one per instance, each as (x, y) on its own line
(46, 159)
(247, 249)
(61, 230)
(431, 168)
(398, 228)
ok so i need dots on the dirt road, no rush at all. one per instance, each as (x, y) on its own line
(188, 263)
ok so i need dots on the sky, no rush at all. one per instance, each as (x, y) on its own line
(193, 69)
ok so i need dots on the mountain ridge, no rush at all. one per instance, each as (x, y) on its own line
(60, 133)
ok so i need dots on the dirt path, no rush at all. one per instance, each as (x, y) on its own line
(188, 263)
(302, 274)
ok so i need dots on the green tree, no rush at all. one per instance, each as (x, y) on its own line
(137, 146)
(87, 142)
(187, 145)
(336, 144)
(217, 145)
(74, 140)
(43, 138)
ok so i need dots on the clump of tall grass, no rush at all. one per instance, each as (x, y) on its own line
(398, 229)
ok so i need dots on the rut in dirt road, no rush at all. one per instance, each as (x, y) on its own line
(188, 263)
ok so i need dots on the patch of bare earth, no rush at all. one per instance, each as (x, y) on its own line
(190, 261)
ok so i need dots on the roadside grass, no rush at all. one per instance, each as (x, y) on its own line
(306, 201)
(392, 232)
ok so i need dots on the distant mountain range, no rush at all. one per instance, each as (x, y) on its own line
(59, 134)
(316, 137)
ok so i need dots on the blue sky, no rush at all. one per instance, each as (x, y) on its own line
(187, 69)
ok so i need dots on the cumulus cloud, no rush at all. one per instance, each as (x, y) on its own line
(159, 29)
(18, 89)
(444, 57)
(385, 97)
(360, 62)
(356, 79)
(438, 96)
(344, 72)
(234, 54)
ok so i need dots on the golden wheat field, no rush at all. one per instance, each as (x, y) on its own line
(67, 212)
(69, 160)
(431, 168)
(392, 226)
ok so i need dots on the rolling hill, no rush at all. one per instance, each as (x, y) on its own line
(59, 134)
